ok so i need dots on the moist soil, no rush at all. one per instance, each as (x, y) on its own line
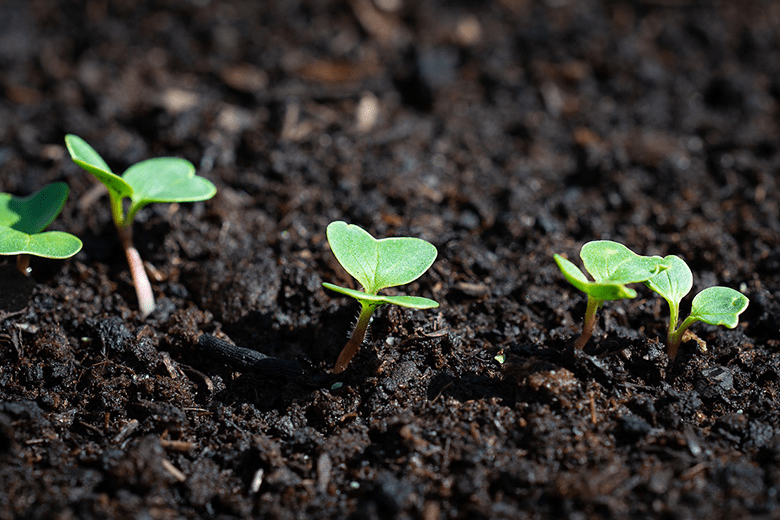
(502, 132)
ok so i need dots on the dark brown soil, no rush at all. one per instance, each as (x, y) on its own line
(503, 132)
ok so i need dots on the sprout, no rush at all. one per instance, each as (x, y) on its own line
(612, 266)
(714, 305)
(376, 264)
(22, 220)
(163, 179)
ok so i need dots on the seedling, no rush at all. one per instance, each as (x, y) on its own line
(612, 266)
(22, 220)
(163, 179)
(714, 305)
(376, 264)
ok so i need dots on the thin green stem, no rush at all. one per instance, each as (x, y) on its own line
(674, 314)
(677, 336)
(590, 321)
(358, 335)
(117, 213)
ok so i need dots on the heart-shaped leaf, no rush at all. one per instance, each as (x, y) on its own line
(33, 213)
(51, 244)
(167, 179)
(719, 306)
(86, 157)
(612, 262)
(377, 264)
(674, 282)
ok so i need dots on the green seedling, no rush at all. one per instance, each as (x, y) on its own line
(714, 305)
(376, 264)
(612, 266)
(23, 219)
(163, 179)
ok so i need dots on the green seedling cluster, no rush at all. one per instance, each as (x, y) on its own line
(714, 305)
(23, 219)
(612, 265)
(162, 179)
(376, 264)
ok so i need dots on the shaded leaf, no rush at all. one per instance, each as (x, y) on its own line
(33, 213)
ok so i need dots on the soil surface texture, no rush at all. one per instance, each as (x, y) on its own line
(502, 132)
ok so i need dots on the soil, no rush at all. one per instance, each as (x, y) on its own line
(502, 132)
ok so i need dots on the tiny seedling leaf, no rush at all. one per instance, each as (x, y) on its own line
(599, 291)
(86, 157)
(167, 179)
(33, 213)
(719, 306)
(612, 262)
(413, 302)
(378, 264)
(50, 244)
(672, 283)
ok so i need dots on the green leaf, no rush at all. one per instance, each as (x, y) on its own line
(599, 291)
(33, 213)
(51, 244)
(612, 262)
(167, 179)
(87, 158)
(719, 306)
(674, 282)
(414, 302)
(378, 264)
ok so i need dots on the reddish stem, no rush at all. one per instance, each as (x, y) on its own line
(143, 288)
(23, 264)
(358, 335)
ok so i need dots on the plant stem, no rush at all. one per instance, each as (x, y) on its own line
(23, 264)
(672, 339)
(143, 288)
(358, 335)
(676, 337)
(590, 322)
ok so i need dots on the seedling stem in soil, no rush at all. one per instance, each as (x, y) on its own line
(376, 264)
(162, 179)
(612, 265)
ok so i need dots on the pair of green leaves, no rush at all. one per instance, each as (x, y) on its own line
(378, 264)
(162, 179)
(714, 305)
(22, 220)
